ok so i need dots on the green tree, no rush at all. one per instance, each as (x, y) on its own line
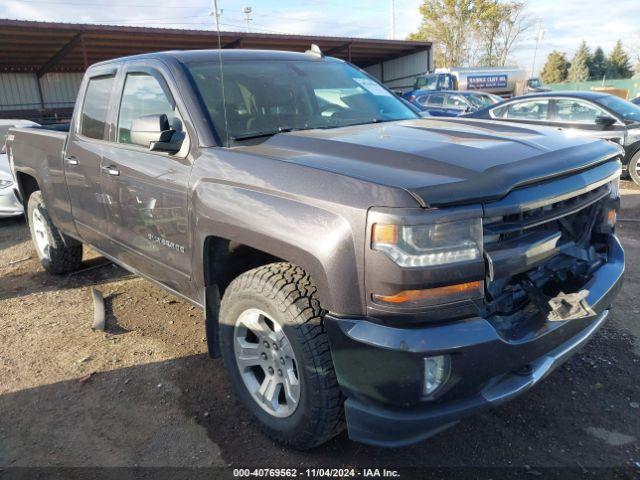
(619, 62)
(579, 70)
(447, 24)
(556, 68)
(598, 65)
(472, 31)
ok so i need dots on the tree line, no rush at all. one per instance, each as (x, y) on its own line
(586, 65)
(472, 32)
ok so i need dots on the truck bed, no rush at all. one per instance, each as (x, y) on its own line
(39, 152)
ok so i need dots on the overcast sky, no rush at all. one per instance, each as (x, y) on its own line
(565, 22)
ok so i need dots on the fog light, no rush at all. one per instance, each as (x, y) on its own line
(436, 373)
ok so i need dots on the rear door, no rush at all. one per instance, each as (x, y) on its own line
(147, 192)
(83, 156)
(534, 111)
(435, 105)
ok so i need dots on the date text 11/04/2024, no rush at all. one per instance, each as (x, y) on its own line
(316, 473)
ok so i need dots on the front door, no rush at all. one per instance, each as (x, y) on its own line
(83, 157)
(147, 192)
(579, 117)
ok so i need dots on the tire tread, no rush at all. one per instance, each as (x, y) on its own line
(295, 294)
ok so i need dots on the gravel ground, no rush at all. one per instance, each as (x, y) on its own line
(144, 393)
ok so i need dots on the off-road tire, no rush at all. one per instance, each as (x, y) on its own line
(287, 294)
(65, 253)
(633, 168)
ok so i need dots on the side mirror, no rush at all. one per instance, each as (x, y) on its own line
(155, 133)
(605, 121)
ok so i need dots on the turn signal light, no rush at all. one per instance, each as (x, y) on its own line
(387, 234)
(448, 293)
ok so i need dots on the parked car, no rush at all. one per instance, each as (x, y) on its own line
(10, 204)
(451, 103)
(356, 263)
(636, 100)
(592, 114)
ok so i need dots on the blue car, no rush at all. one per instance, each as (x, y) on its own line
(451, 103)
(636, 100)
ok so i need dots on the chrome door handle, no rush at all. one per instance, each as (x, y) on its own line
(71, 160)
(111, 170)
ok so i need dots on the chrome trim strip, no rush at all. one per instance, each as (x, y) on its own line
(543, 194)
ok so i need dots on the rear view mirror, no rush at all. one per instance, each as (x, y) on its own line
(605, 121)
(155, 133)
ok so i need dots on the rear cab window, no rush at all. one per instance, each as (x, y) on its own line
(95, 107)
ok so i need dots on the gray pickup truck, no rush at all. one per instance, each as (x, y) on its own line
(357, 265)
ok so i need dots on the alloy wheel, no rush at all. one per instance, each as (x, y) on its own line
(267, 363)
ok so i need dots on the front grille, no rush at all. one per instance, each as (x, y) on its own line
(570, 217)
(540, 241)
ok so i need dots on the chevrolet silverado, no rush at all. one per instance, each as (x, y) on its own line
(357, 265)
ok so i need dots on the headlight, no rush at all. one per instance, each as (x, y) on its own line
(5, 183)
(415, 246)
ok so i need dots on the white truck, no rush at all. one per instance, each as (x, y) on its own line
(504, 81)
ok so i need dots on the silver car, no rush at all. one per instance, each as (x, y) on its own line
(9, 203)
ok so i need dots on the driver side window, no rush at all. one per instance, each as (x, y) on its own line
(576, 111)
(456, 101)
(142, 95)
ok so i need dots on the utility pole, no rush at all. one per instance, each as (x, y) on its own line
(539, 36)
(247, 18)
(393, 19)
(216, 13)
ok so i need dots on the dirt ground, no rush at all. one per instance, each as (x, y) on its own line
(144, 393)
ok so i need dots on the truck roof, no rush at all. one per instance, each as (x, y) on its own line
(194, 56)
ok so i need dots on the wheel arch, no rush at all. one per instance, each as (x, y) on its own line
(27, 184)
(268, 228)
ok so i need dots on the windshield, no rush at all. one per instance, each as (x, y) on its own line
(627, 110)
(266, 97)
(427, 82)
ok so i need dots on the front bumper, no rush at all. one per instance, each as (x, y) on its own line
(380, 368)
(9, 203)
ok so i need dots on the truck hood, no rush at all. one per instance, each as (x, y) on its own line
(441, 162)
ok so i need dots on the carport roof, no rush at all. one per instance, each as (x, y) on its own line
(42, 47)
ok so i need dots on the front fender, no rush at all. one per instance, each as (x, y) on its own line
(319, 240)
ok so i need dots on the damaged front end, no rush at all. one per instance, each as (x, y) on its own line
(542, 246)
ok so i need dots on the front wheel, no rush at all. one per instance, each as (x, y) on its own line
(634, 168)
(57, 253)
(276, 353)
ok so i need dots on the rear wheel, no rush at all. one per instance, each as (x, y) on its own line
(276, 354)
(634, 168)
(57, 253)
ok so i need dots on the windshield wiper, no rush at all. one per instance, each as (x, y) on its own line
(270, 133)
(368, 122)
